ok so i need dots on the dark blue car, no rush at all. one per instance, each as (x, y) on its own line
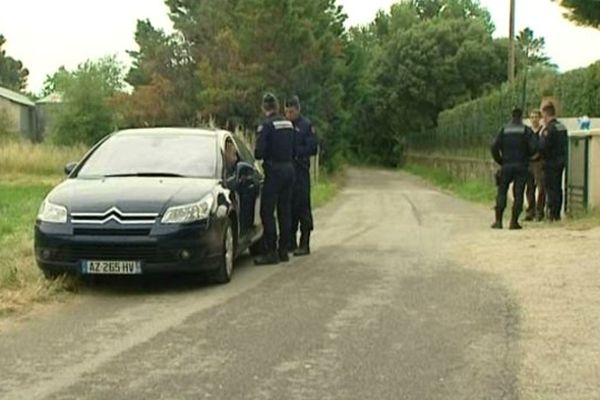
(150, 201)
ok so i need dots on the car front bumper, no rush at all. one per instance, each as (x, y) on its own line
(192, 248)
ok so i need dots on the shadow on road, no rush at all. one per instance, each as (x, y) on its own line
(157, 284)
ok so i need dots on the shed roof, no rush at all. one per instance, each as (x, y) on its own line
(51, 98)
(16, 97)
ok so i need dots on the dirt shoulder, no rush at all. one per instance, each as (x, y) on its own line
(554, 274)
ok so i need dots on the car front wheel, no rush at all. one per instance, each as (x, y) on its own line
(225, 270)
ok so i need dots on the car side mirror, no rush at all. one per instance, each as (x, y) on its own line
(70, 167)
(243, 171)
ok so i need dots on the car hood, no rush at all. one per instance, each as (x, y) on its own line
(129, 195)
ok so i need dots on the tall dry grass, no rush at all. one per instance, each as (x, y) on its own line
(23, 158)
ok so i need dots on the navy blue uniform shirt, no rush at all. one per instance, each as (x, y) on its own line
(514, 145)
(554, 144)
(306, 142)
(276, 140)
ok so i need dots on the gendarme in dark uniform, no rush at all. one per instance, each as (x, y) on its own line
(554, 144)
(275, 146)
(306, 147)
(512, 148)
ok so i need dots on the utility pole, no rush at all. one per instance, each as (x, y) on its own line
(512, 47)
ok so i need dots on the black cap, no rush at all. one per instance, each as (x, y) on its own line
(269, 101)
(293, 101)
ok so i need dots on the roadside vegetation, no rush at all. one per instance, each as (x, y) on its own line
(327, 188)
(27, 173)
(473, 190)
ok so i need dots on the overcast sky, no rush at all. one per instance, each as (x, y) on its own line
(46, 34)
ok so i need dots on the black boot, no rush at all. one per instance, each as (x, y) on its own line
(498, 223)
(540, 216)
(294, 244)
(514, 221)
(271, 258)
(284, 256)
(304, 248)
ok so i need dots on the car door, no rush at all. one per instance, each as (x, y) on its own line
(249, 190)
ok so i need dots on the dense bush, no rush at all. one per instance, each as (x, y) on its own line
(472, 124)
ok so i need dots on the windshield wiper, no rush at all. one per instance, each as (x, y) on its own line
(146, 175)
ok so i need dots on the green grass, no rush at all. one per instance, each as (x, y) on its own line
(326, 189)
(21, 282)
(18, 206)
(476, 191)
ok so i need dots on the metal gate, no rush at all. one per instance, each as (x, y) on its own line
(577, 174)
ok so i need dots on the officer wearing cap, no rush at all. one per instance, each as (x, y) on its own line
(275, 146)
(554, 143)
(511, 149)
(306, 147)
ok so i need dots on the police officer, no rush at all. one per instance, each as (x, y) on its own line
(554, 147)
(306, 147)
(275, 146)
(512, 149)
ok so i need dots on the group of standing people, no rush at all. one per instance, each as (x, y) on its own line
(285, 145)
(534, 158)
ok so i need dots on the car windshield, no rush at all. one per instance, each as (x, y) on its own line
(170, 154)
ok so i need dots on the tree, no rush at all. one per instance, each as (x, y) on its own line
(13, 74)
(419, 59)
(585, 12)
(532, 50)
(162, 61)
(237, 58)
(87, 113)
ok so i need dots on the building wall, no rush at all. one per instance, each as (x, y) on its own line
(46, 116)
(13, 112)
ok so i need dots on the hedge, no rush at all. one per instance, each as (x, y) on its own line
(471, 125)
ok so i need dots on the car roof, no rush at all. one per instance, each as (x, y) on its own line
(174, 130)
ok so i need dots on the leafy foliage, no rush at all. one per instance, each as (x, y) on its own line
(421, 58)
(164, 80)
(470, 126)
(532, 50)
(87, 114)
(586, 12)
(13, 75)
(366, 88)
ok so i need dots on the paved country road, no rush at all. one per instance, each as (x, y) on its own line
(377, 312)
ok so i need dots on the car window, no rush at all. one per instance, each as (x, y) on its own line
(245, 151)
(231, 157)
(166, 154)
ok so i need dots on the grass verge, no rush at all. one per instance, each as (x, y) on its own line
(21, 283)
(24, 158)
(476, 191)
(326, 189)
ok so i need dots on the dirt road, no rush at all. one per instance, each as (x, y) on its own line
(387, 307)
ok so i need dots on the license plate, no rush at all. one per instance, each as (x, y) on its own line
(112, 267)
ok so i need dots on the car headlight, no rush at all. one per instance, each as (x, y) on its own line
(52, 213)
(189, 212)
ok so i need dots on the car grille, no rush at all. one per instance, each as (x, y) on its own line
(110, 232)
(115, 215)
(147, 253)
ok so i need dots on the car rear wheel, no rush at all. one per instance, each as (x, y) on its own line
(225, 271)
